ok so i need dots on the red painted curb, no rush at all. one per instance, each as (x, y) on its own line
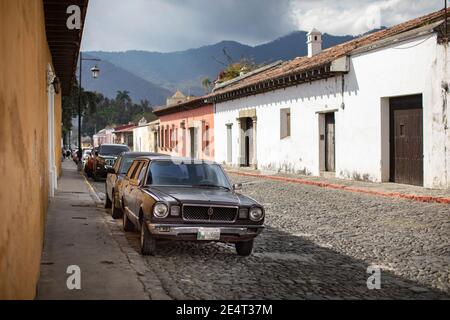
(413, 197)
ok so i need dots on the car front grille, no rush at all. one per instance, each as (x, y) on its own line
(209, 213)
(109, 162)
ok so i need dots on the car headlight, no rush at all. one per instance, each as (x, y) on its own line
(256, 214)
(160, 210)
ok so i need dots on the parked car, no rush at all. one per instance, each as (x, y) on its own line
(86, 153)
(105, 157)
(75, 155)
(115, 177)
(182, 199)
(89, 165)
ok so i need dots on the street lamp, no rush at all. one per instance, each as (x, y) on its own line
(95, 73)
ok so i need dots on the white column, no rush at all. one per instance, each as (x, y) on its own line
(255, 158)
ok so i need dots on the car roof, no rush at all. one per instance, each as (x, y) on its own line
(172, 158)
(141, 154)
(112, 145)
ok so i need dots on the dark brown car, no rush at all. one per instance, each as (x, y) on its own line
(183, 199)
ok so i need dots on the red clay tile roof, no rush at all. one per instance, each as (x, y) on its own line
(192, 103)
(302, 64)
(124, 128)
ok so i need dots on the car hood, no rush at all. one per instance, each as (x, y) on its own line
(200, 196)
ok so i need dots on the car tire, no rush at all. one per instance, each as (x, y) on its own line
(116, 212)
(148, 243)
(127, 224)
(108, 203)
(244, 248)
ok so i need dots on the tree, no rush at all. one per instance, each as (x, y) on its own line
(207, 84)
(235, 69)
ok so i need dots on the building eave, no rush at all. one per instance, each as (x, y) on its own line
(287, 80)
(64, 44)
(184, 106)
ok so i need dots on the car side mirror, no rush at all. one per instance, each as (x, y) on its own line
(237, 186)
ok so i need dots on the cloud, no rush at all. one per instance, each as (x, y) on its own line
(357, 16)
(171, 25)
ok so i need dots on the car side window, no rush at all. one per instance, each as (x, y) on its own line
(137, 169)
(141, 176)
(131, 170)
(117, 165)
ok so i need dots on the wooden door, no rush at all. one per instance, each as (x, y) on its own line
(248, 141)
(406, 140)
(329, 142)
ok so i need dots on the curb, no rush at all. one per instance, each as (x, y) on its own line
(91, 189)
(413, 197)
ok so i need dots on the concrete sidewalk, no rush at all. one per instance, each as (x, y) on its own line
(77, 234)
(395, 190)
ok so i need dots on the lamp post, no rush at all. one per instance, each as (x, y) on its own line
(95, 72)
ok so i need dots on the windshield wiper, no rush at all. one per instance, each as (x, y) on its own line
(211, 186)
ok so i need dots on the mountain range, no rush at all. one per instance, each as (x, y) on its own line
(155, 76)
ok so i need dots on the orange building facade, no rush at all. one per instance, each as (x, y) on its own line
(187, 129)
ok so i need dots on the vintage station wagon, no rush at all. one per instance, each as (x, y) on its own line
(192, 200)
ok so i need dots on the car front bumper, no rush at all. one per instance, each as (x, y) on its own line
(189, 232)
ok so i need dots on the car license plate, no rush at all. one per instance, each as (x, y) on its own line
(208, 234)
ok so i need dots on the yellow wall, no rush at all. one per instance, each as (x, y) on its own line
(24, 56)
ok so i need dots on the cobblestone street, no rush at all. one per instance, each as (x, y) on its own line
(318, 244)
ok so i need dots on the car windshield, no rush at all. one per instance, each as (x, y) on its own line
(112, 150)
(168, 173)
(125, 165)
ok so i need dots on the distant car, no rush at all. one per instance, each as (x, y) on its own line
(89, 165)
(191, 200)
(115, 177)
(86, 154)
(75, 155)
(105, 157)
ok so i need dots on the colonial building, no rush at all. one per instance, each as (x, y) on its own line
(178, 97)
(373, 109)
(145, 136)
(105, 135)
(38, 55)
(123, 134)
(186, 129)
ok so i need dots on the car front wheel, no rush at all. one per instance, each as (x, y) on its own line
(244, 248)
(116, 211)
(148, 243)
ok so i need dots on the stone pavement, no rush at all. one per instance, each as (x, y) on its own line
(76, 234)
(319, 243)
(387, 189)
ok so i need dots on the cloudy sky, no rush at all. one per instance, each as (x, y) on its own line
(171, 25)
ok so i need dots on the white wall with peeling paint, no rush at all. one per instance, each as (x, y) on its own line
(415, 66)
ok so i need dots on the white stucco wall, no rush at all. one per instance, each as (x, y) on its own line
(143, 140)
(417, 66)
